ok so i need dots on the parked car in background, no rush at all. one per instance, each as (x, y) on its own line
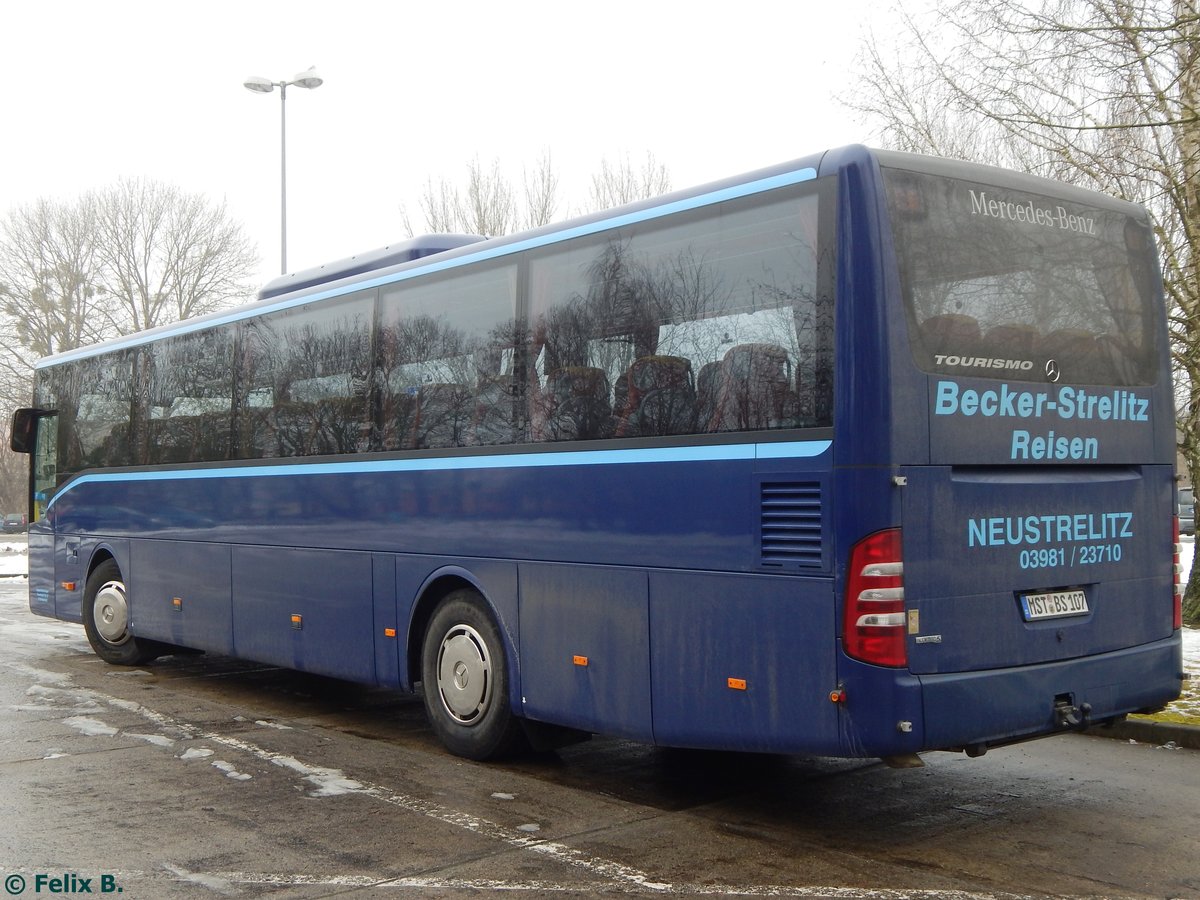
(1187, 511)
(14, 523)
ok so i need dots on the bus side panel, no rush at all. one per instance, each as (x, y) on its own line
(743, 662)
(41, 569)
(195, 575)
(585, 648)
(387, 648)
(330, 592)
(70, 577)
(623, 515)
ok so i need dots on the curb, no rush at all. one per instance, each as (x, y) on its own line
(1146, 732)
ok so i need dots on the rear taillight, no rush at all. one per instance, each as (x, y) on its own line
(873, 627)
(1178, 580)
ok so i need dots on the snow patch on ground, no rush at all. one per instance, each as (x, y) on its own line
(329, 782)
(158, 740)
(14, 559)
(230, 770)
(90, 727)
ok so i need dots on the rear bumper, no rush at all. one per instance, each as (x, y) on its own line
(1004, 705)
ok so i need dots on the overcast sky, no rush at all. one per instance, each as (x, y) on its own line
(96, 91)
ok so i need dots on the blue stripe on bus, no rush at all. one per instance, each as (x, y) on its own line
(718, 453)
(797, 176)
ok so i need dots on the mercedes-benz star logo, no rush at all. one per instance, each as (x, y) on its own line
(1052, 371)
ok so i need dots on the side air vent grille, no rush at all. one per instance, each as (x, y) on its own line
(791, 524)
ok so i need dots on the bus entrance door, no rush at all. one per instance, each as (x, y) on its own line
(42, 581)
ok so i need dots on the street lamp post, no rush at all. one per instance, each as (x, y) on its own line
(308, 79)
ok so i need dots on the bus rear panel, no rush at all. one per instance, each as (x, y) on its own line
(1024, 584)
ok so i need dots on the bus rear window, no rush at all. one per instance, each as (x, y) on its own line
(1000, 283)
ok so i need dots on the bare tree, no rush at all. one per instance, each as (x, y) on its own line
(1103, 93)
(50, 280)
(50, 299)
(167, 255)
(618, 183)
(439, 205)
(133, 256)
(489, 204)
(541, 193)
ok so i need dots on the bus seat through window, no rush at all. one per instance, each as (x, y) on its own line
(494, 421)
(659, 397)
(334, 425)
(1012, 341)
(400, 420)
(576, 405)
(951, 334)
(443, 415)
(706, 395)
(258, 439)
(755, 389)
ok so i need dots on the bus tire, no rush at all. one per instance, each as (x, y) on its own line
(465, 678)
(106, 619)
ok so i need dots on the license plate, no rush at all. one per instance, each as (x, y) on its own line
(1054, 605)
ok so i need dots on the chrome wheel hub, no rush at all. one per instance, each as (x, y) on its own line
(464, 675)
(110, 612)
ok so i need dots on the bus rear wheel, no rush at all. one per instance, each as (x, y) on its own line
(106, 619)
(465, 678)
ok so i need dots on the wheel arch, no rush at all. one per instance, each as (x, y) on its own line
(436, 587)
(101, 553)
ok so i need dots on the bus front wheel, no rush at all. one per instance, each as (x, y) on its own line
(465, 679)
(106, 619)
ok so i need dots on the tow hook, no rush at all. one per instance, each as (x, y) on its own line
(1067, 715)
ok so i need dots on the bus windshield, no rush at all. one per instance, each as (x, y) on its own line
(1001, 283)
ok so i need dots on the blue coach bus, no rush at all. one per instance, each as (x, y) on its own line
(867, 454)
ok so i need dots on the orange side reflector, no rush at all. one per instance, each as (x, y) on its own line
(297, 622)
(177, 602)
(389, 632)
(68, 585)
(580, 661)
(737, 684)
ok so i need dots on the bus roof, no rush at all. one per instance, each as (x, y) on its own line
(371, 261)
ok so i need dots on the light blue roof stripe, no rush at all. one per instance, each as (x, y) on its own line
(718, 453)
(747, 189)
